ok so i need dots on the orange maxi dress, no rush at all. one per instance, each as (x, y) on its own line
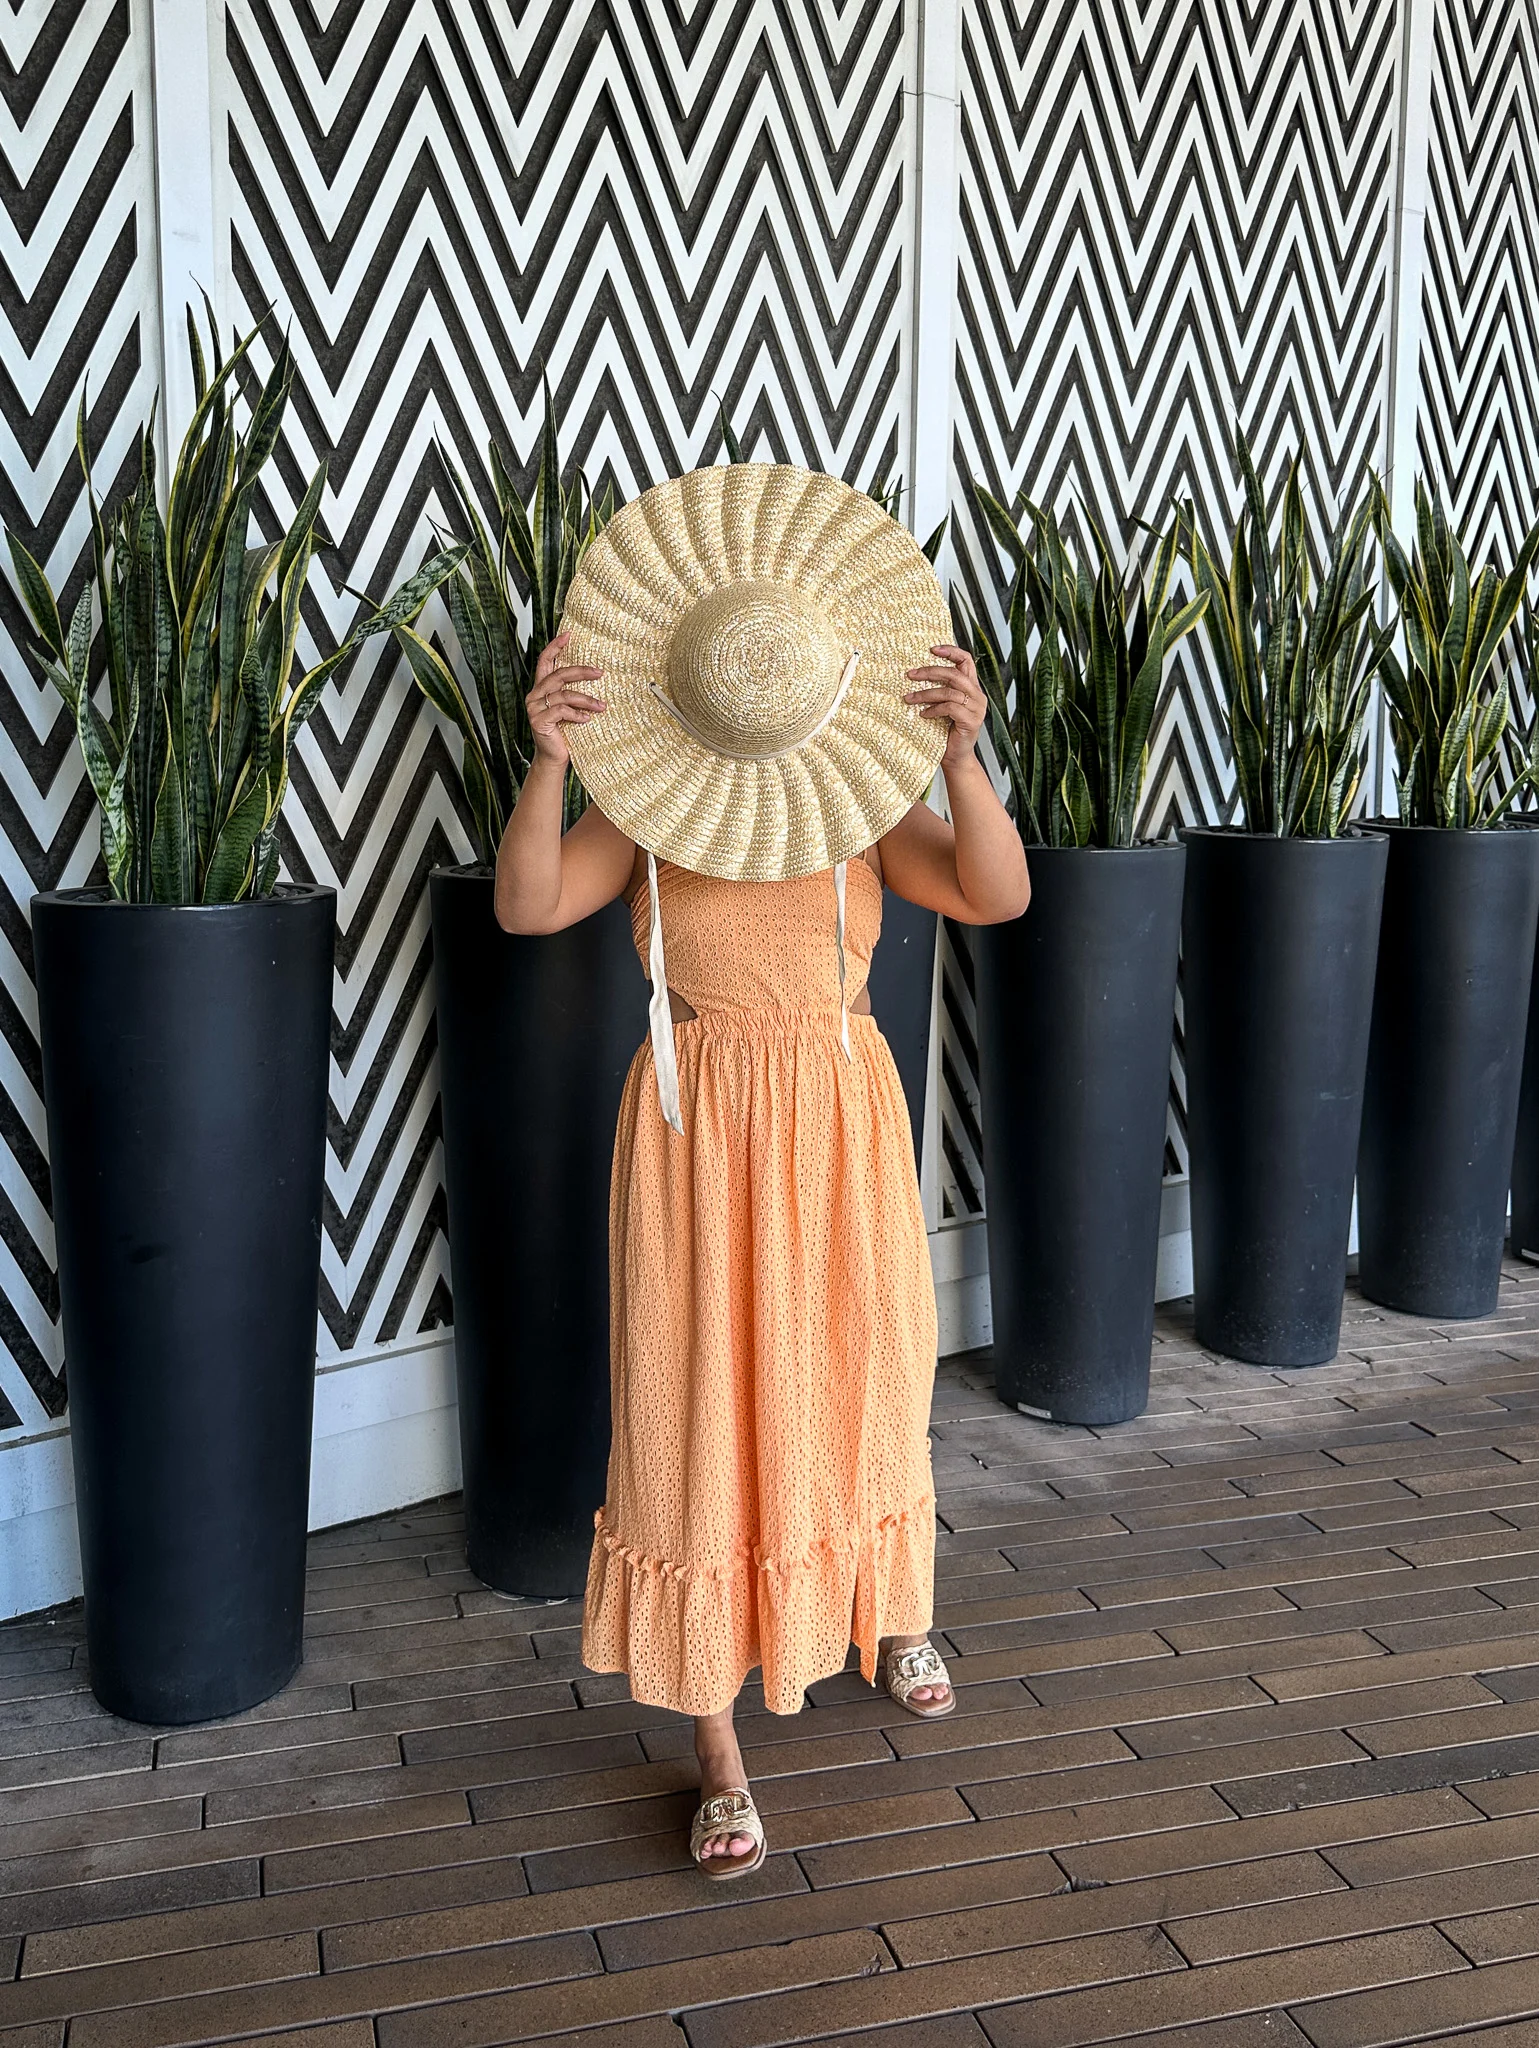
(772, 1317)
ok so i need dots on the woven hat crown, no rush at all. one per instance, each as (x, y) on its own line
(754, 669)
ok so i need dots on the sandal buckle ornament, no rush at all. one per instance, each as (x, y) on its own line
(903, 1671)
(727, 1813)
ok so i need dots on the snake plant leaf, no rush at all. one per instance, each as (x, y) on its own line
(931, 548)
(302, 526)
(1078, 810)
(195, 354)
(547, 525)
(170, 867)
(198, 719)
(1000, 524)
(38, 597)
(107, 770)
(434, 677)
(77, 667)
(1133, 742)
(474, 639)
(230, 865)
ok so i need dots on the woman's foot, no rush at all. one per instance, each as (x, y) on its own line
(930, 1696)
(721, 1770)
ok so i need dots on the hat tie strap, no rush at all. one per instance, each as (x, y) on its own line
(660, 1012)
(844, 1012)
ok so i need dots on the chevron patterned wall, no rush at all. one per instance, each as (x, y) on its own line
(1478, 424)
(667, 211)
(77, 300)
(1173, 215)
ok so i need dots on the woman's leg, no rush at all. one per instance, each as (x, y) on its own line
(721, 1770)
(922, 1695)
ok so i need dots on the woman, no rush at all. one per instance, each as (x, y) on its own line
(768, 721)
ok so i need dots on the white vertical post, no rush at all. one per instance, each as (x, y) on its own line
(937, 134)
(1413, 134)
(937, 175)
(1410, 221)
(184, 191)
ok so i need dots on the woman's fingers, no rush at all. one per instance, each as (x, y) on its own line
(550, 657)
(564, 699)
(555, 700)
(940, 701)
(562, 679)
(959, 655)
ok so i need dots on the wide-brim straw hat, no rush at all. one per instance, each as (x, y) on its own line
(755, 624)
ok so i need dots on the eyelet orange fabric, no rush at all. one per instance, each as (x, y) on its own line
(772, 1318)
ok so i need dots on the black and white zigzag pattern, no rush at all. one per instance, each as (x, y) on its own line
(77, 299)
(1173, 216)
(664, 209)
(1478, 423)
(1171, 213)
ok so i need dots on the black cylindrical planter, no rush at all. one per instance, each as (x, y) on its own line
(1279, 941)
(1525, 1152)
(185, 1055)
(902, 988)
(1456, 958)
(1075, 1003)
(534, 1039)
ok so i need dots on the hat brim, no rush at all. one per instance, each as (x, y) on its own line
(839, 791)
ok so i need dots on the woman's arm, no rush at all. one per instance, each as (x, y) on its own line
(973, 869)
(546, 881)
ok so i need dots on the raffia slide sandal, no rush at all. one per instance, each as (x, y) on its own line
(903, 1671)
(729, 1813)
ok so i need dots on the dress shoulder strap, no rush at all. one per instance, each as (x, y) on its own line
(659, 1011)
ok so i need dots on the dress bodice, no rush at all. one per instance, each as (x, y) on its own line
(762, 945)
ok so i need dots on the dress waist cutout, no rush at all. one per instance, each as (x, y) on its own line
(794, 949)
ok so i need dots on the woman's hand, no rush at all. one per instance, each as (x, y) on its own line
(556, 700)
(953, 692)
(546, 881)
(974, 868)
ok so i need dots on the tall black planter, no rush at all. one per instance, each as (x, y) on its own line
(1279, 943)
(902, 987)
(1525, 1151)
(534, 1039)
(1075, 1003)
(184, 1069)
(1456, 959)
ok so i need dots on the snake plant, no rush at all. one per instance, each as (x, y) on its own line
(198, 634)
(1072, 688)
(524, 570)
(1296, 668)
(1451, 702)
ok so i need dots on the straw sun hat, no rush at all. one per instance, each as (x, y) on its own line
(755, 623)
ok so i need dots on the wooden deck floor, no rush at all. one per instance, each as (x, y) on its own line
(1248, 1753)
